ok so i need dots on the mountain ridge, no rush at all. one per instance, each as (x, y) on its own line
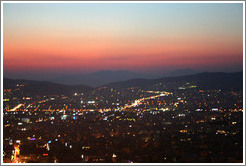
(99, 78)
(207, 80)
(32, 87)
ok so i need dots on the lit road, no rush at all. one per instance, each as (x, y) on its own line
(18, 106)
(139, 101)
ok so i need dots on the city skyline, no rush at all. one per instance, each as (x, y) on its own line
(151, 38)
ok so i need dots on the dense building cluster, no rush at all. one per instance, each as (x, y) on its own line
(128, 125)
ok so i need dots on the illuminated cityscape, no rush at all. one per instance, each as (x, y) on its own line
(129, 125)
(122, 83)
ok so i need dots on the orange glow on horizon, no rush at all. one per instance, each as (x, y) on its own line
(116, 41)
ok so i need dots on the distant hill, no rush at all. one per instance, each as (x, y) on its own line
(181, 72)
(206, 80)
(43, 88)
(99, 78)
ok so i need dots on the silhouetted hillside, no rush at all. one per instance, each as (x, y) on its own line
(200, 81)
(99, 78)
(43, 88)
(181, 72)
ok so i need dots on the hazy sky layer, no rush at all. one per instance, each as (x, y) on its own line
(74, 38)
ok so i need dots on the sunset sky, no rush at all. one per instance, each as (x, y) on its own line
(55, 39)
